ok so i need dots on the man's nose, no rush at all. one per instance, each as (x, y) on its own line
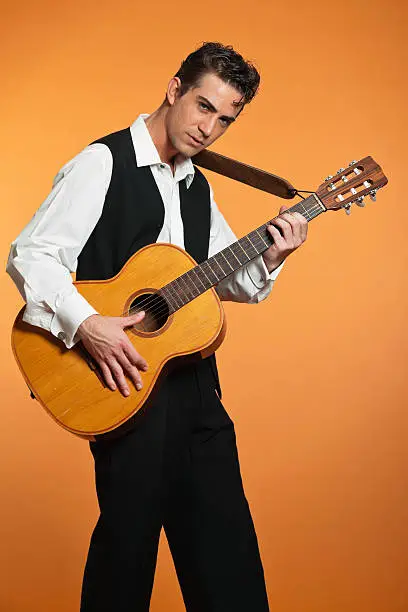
(207, 125)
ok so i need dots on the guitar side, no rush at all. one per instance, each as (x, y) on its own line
(62, 380)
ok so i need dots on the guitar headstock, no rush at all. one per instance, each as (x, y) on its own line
(352, 184)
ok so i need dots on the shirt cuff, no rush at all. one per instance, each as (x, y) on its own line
(258, 272)
(69, 316)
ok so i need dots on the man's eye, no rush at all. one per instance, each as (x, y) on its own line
(225, 122)
(203, 105)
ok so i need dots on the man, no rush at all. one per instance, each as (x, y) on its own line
(177, 467)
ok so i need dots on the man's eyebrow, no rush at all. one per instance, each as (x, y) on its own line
(214, 110)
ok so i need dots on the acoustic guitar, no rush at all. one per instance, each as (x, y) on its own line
(184, 315)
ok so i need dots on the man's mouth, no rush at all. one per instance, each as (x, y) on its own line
(196, 141)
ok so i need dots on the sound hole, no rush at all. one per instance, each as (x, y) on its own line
(156, 309)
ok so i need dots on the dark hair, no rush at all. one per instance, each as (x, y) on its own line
(227, 64)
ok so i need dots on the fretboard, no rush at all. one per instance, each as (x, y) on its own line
(202, 277)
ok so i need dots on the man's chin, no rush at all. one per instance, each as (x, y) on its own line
(189, 151)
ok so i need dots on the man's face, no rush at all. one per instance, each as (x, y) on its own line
(196, 119)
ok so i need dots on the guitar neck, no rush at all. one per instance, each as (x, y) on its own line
(202, 277)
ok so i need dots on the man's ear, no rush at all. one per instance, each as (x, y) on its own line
(173, 90)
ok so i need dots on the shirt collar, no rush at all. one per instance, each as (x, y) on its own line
(147, 154)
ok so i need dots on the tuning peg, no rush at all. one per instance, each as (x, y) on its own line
(373, 195)
(340, 170)
(347, 208)
(360, 201)
(353, 162)
(328, 178)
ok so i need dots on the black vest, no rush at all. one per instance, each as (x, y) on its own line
(133, 216)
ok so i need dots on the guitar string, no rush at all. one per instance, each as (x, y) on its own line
(160, 309)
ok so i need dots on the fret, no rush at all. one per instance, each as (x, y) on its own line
(258, 245)
(304, 210)
(251, 247)
(203, 271)
(223, 264)
(210, 264)
(232, 251)
(190, 277)
(239, 253)
(214, 258)
(166, 293)
(248, 236)
(310, 207)
(180, 291)
(267, 245)
(210, 271)
(222, 253)
(204, 280)
(173, 288)
(243, 250)
(189, 291)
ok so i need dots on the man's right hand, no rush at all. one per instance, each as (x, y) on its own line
(104, 338)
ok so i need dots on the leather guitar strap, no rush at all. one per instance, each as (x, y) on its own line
(265, 181)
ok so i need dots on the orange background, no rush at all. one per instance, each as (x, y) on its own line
(315, 377)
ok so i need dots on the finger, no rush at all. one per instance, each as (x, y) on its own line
(276, 235)
(107, 376)
(295, 225)
(304, 226)
(132, 319)
(131, 371)
(134, 357)
(283, 208)
(119, 377)
(286, 229)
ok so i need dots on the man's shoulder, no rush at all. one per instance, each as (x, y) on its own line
(114, 138)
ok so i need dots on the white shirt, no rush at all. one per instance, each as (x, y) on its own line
(43, 256)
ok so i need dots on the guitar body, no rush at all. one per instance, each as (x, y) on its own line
(67, 384)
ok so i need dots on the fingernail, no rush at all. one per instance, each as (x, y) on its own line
(138, 386)
(126, 392)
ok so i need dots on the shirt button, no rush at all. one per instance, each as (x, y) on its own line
(62, 336)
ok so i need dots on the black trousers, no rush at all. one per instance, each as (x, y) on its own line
(177, 468)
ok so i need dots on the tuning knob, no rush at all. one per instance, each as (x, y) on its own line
(328, 178)
(373, 195)
(353, 162)
(360, 201)
(347, 208)
(340, 170)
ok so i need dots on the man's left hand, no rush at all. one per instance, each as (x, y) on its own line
(291, 234)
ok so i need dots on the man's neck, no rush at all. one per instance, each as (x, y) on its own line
(156, 124)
